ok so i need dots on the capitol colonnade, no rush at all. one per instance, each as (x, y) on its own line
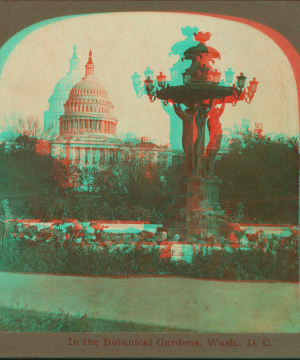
(78, 124)
(85, 154)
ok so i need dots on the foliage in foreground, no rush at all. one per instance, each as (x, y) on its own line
(221, 265)
(262, 173)
(24, 320)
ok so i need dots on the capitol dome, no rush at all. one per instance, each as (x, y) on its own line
(88, 111)
(66, 83)
(88, 127)
(60, 95)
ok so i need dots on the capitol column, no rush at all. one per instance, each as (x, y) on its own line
(81, 154)
(96, 155)
(91, 155)
(88, 155)
(75, 154)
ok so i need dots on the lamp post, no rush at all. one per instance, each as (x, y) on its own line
(201, 90)
(204, 97)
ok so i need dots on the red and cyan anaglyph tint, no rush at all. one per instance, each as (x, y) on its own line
(189, 172)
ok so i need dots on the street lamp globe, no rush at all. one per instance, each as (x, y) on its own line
(149, 84)
(241, 80)
(148, 73)
(186, 77)
(136, 79)
(216, 76)
(205, 71)
(253, 85)
(229, 76)
(161, 79)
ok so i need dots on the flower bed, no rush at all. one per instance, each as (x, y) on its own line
(80, 251)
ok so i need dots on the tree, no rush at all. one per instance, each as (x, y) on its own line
(139, 176)
(27, 126)
(262, 173)
(92, 179)
(64, 175)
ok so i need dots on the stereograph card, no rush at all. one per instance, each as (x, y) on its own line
(149, 183)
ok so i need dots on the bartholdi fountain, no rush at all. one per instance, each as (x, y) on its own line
(204, 98)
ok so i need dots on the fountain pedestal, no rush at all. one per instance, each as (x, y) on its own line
(198, 210)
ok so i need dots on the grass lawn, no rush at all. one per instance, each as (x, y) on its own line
(23, 320)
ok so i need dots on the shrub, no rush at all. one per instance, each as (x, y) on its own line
(29, 256)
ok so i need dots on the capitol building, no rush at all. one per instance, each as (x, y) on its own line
(81, 117)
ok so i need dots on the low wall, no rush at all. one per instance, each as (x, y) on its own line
(130, 227)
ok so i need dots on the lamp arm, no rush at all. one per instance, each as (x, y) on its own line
(152, 97)
(235, 92)
(248, 97)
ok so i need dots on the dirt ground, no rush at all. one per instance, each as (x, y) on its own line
(198, 305)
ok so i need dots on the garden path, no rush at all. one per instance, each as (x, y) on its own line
(198, 305)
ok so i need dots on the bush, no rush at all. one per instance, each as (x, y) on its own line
(28, 256)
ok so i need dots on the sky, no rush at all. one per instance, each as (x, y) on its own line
(124, 43)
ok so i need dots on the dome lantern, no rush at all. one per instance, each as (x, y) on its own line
(74, 62)
(89, 67)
